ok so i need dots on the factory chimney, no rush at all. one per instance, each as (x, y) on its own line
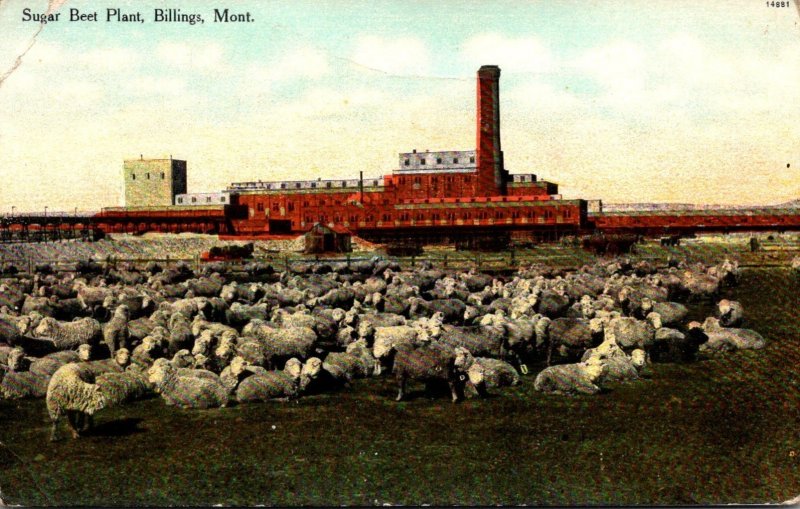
(491, 173)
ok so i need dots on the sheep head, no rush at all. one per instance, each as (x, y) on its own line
(595, 370)
(182, 359)
(123, 312)
(638, 359)
(654, 319)
(85, 352)
(160, 373)
(464, 359)
(47, 328)
(294, 368)
(16, 358)
(122, 357)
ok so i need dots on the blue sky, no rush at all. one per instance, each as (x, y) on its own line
(624, 101)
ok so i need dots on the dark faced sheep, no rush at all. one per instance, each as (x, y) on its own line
(430, 364)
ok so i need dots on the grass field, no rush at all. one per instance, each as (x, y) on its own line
(717, 431)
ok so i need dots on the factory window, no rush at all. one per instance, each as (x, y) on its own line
(208, 199)
(422, 161)
(327, 184)
(407, 162)
(297, 185)
(194, 200)
(283, 185)
(180, 200)
(305, 203)
(344, 184)
(291, 206)
(498, 215)
(531, 215)
(419, 216)
(435, 217)
(314, 184)
(222, 199)
(417, 180)
(275, 208)
(374, 182)
(467, 179)
(260, 207)
(438, 160)
(472, 159)
(387, 217)
(455, 160)
(370, 218)
(162, 175)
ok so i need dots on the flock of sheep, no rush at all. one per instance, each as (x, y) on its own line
(100, 337)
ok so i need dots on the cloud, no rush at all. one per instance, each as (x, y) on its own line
(404, 55)
(525, 54)
(111, 59)
(199, 57)
(619, 66)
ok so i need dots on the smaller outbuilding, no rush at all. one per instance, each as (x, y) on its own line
(327, 239)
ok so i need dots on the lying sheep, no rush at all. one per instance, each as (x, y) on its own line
(581, 377)
(487, 373)
(316, 378)
(83, 331)
(723, 339)
(620, 367)
(191, 392)
(730, 313)
(283, 384)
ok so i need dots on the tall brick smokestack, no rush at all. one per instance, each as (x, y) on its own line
(491, 172)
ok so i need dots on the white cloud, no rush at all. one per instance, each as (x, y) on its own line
(619, 66)
(111, 59)
(404, 55)
(525, 54)
(157, 85)
(200, 57)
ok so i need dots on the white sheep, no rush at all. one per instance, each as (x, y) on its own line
(581, 377)
(269, 385)
(82, 331)
(115, 332)
(186, 391)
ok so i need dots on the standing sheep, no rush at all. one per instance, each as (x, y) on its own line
(65, 335)
(429, 364)
(115, 332)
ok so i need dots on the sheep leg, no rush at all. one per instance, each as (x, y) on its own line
(401, 388)
(53, 429)
(73, 419)
(453, 390)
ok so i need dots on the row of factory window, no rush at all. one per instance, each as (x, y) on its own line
(147, 176)
(209, 199)
(448, 179)
(449, 216)
(438, 160)
(303, 184)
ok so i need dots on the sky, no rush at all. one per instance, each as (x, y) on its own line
(624, 101)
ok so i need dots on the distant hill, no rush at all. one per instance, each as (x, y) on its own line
(626, 207)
